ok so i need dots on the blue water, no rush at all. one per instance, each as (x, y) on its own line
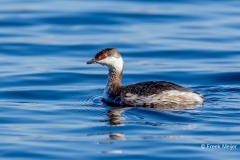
(50, 100)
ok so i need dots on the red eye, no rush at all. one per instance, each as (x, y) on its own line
(103, 56)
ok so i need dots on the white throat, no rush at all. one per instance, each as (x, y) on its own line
(113, 63)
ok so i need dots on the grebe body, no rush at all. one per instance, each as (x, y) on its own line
(151, 93)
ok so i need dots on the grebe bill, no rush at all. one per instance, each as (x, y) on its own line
(151, 93)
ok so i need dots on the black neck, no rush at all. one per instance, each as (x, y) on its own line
(114, 82)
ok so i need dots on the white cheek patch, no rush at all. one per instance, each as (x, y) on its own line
(112, 62)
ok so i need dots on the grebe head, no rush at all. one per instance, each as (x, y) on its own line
(109, 57)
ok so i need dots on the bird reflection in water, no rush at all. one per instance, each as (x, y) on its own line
(115, 117)
(115, 114)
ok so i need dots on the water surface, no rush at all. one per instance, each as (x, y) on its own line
(50, 100)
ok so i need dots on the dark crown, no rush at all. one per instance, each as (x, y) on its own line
(110, 52)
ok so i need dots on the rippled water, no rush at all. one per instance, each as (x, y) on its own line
(50, 100)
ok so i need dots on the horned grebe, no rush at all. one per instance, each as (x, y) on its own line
(151, 93)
